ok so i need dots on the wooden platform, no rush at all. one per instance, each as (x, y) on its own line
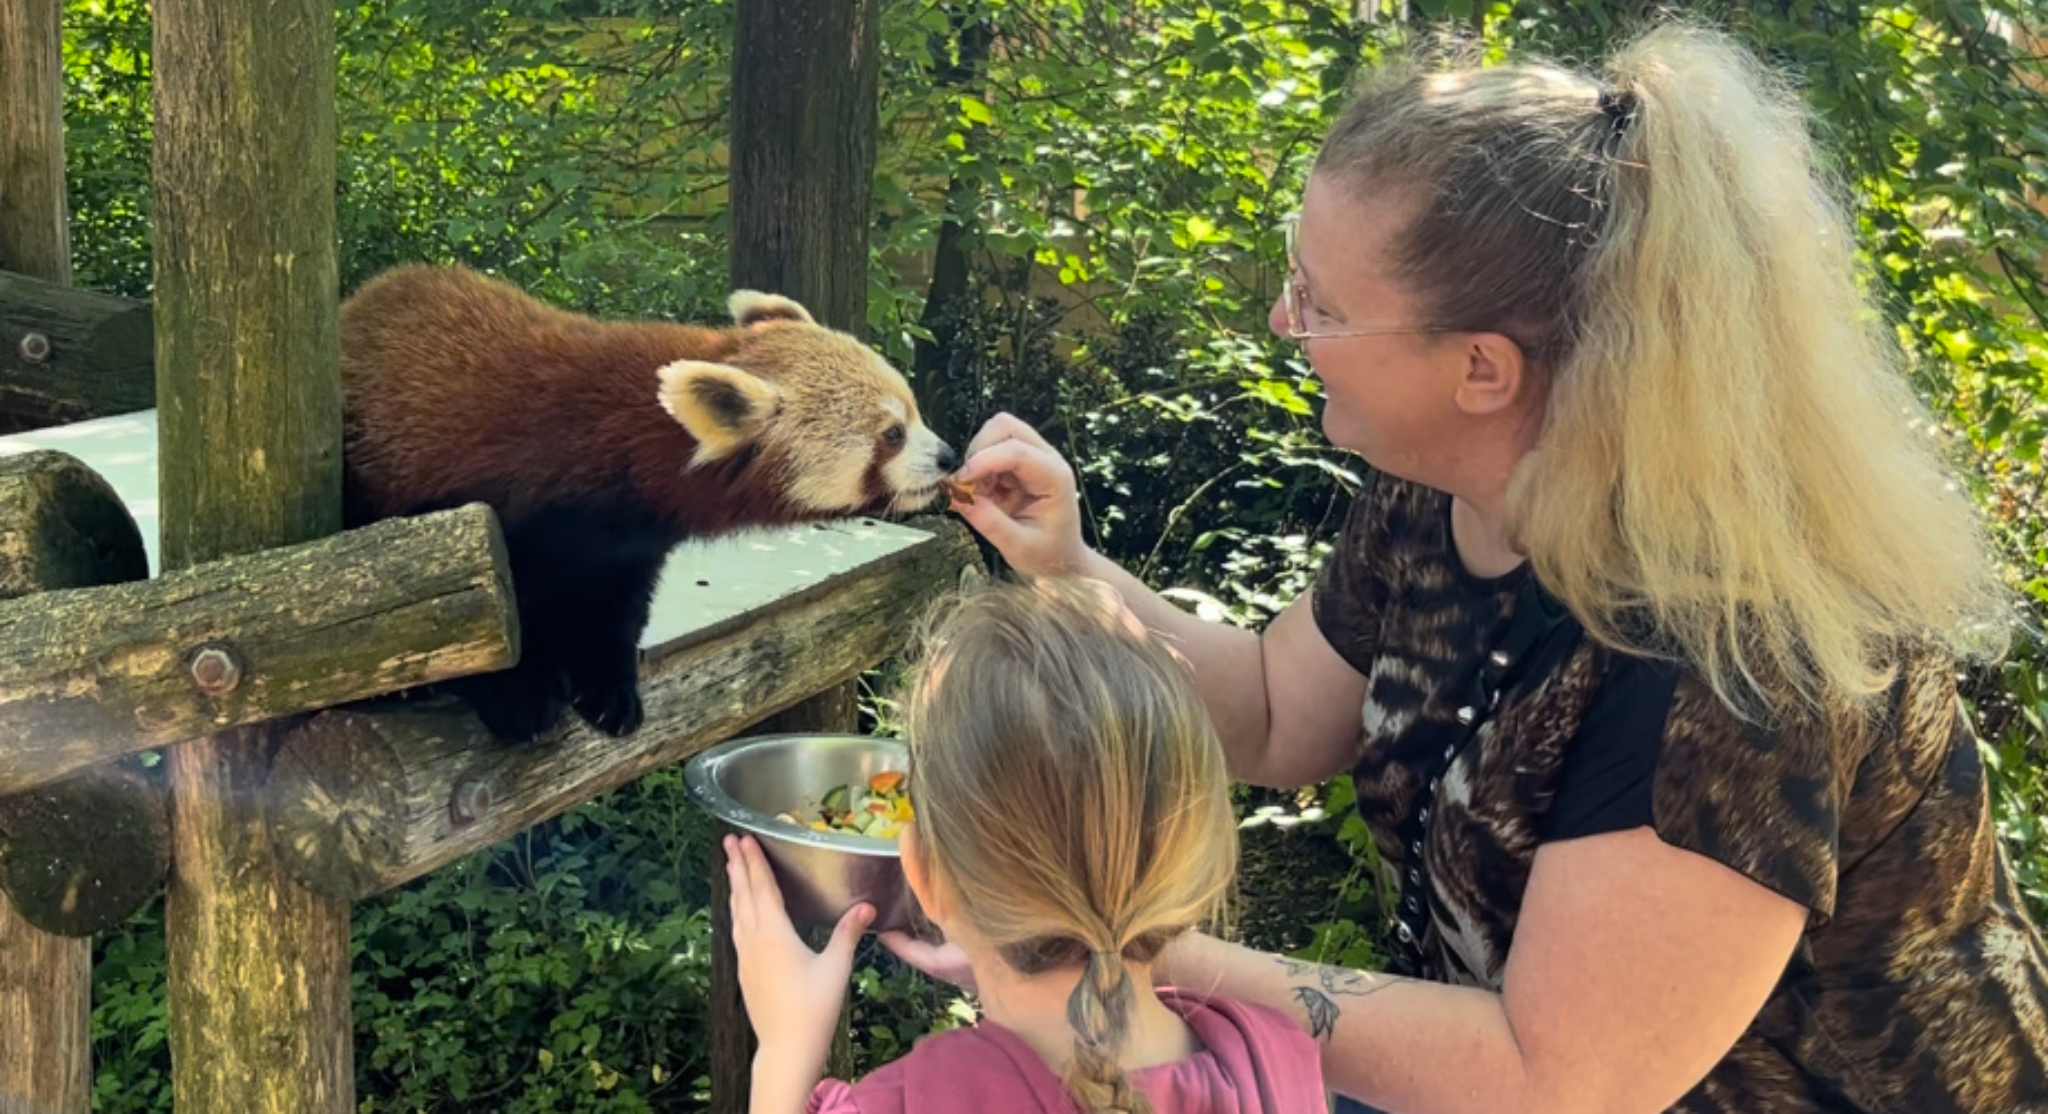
(704, 583)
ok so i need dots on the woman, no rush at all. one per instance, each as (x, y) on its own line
(1640, 641)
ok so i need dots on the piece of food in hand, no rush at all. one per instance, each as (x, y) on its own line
(959, 491)
(877, 809)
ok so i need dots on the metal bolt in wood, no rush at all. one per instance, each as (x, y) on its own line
(216, 670)
(469, 802)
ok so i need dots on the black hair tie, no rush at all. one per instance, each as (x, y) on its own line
(1619, 106)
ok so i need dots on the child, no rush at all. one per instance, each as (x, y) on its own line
(1072, 818)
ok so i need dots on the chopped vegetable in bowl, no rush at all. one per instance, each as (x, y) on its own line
(877, 810)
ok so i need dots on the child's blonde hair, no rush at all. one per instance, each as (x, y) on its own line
(1730, 450)
(1070, 790)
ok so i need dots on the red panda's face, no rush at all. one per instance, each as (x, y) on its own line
(822, 410)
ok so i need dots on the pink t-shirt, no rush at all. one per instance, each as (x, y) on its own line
(1254, 1060)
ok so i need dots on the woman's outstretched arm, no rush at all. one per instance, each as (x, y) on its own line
(1285, 704)
(1636, 965)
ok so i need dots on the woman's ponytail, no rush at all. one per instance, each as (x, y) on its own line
(1732, 469)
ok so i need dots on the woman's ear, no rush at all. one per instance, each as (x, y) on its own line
(1495, 374)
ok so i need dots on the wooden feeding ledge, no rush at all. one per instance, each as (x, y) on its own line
(111, 657)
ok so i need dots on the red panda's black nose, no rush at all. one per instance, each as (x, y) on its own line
(948, 459)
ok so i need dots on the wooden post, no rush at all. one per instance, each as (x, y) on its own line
(249, 409)
(35, 237)
(732, 1036)
(803, 152)
(45, 980)
(60, 527)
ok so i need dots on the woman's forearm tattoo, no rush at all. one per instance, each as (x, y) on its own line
(1318, 986)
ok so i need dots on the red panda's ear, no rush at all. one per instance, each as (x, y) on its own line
(751, 307)
(723, 407)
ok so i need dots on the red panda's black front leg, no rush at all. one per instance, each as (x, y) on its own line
(604, 666)
(584, 576)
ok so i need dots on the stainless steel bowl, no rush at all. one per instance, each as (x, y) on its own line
(746, 781)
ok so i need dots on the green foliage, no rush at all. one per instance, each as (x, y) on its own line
(1109, 178)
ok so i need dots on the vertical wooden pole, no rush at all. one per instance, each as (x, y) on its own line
(35, 236)
(45, 980)
(836, 711)
(249, 411)
(46, 1006)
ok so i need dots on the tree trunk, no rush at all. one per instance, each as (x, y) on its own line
(803, 152)
(950, 399)
(249, 401)
(35, 236)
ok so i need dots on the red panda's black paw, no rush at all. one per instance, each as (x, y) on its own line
(516, 706)
(614, 710)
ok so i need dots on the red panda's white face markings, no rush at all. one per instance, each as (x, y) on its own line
(824, 412)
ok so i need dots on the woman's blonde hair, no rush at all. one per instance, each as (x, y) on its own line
(1733, 470)
(1070, 790)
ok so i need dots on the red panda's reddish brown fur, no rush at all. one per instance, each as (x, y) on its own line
(458, 385)
(589, 438)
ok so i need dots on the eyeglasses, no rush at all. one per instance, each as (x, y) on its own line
(1294, 296)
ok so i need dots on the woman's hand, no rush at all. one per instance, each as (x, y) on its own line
(1024, 501)
(945, 962)
(793, 994)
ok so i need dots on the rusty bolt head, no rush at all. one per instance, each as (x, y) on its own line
(470, 800)
(35, 348)
(216, 670)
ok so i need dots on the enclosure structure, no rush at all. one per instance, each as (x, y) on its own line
(253, 645)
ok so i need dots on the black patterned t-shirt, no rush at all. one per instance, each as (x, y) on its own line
(1919, 986)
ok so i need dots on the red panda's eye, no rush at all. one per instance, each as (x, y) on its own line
(893, 437)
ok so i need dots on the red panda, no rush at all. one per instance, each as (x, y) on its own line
(601, 445)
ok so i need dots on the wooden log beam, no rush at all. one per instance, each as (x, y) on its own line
(364, 800)
(94, 674)
(67, 355)
(34, 230)
(61, 526)
(79, 855)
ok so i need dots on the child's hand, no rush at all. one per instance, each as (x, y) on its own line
(792, 993)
